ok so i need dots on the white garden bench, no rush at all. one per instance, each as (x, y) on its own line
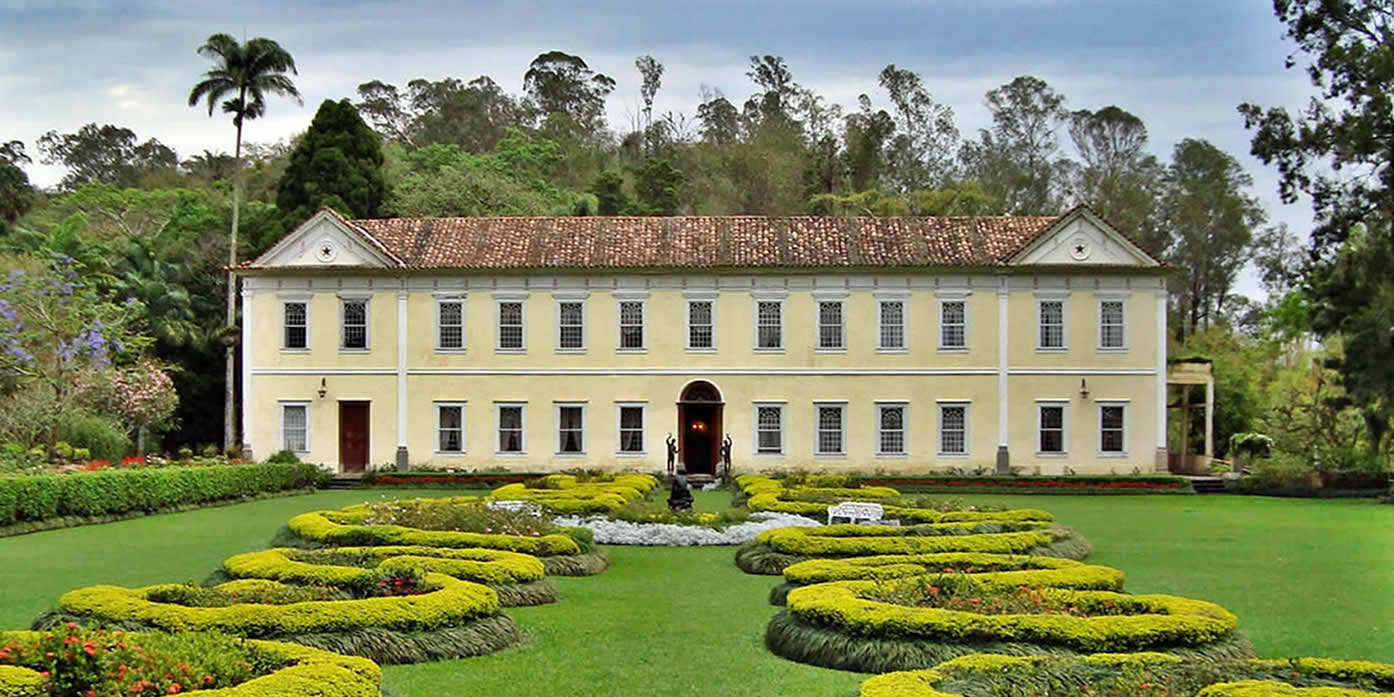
(527, 507)
(856, 512)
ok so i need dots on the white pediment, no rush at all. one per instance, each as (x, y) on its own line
(1082, 239)
(324, 240)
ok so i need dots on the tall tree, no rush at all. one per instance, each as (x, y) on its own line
(921, 153)
(778, 95)
(658, 188)
(107, 154)
(720, 119)
(239, 81)
(16, 194)
(474, 115)
(1116, 175)
(865, 136)
(1018, 160)
(561, 84)
(209, 166)
(651, 76)
(338, 164)
(1206, 206)
(1339, 151)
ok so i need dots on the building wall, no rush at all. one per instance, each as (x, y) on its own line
(799, 375)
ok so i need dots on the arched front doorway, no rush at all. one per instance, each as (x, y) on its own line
(699, 427)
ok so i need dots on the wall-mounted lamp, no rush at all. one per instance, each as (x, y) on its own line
(323, 388)
(1083, 389)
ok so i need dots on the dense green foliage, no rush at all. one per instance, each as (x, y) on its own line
(338, 163)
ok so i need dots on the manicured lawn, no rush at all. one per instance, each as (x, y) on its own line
(1305, 578)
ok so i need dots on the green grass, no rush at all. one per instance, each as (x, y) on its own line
(1306, 577)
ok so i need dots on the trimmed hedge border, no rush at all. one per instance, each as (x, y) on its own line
(32, 499)
(924, 683)
(765, 493)
(78, 521)
(343, 528)
(564, 494)
(771, 558)
(310, 672)
(465, 480)
(1038, 484)
(988, 569)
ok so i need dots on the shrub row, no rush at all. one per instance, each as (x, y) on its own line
(41, 497)
(874, 540)
(1251, 677)
(343, 528)
(1158, 620)
(1039, 484)
(448, 602)
(768, 494)
(487, 566)
(765, 558)
(308, 672)
(466, 480)
(563, 493)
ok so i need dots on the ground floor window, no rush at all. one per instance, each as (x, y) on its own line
(890, 419)
(1111, 420)
(295, 427)
(571, 429)
(953, 429)
(831, 424)
(769, 429)
(631, 428)
(1051, 427)
(450, 427)
(510, 421)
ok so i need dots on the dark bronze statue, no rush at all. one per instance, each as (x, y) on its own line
(672, 453)
(726, 456)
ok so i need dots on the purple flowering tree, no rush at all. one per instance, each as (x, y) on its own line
(58, 337)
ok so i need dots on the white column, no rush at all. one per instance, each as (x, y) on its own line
(402, 458)
(1003, 395)
(247, 370)
(1161, 463)
(1210, 418)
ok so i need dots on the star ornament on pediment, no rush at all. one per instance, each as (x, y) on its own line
(1079, 249)
(325, 251)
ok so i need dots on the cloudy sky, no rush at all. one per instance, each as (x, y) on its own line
(1181, 65)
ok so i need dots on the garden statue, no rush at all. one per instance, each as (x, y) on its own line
(726, 456)
(672, 453)
(680, 496)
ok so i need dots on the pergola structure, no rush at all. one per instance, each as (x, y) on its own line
(1184, 374)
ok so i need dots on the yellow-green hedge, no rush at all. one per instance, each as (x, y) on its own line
(921, 683)
(871, 540)
(768, 494)
(488, 566)
(1169, 620)
(308, 673)
(447, 602)
(992, 569)
(566, 495)
(343, 528)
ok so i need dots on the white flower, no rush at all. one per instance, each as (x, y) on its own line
(620, 532)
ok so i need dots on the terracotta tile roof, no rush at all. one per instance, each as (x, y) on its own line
(698, 242)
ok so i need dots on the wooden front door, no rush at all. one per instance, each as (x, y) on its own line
(353, 436)
(699, 428)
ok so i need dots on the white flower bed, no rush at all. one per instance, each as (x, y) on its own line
(621, 532)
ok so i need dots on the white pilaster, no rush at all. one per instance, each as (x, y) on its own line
(1003, 348)
(246, 349)
(1161, 426)
(402, 378)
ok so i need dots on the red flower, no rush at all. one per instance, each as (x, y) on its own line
(174, 689)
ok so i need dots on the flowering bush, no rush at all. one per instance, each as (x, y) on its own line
(622, 532)
(462, 514)
(954, 591)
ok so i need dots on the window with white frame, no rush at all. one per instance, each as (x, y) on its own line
(571, 325)
(831, 424)
(631, 325)
(701, 329)
(450, 427)
(450, 324)
(1051, 428)
(295, 427)
(830, 325)
(953, 324)
(953, 429)
(510, 427)
(571, 429)
(1111, 428)
(769, 324)
(769, 429)
(295, 319)
(510, 326)
(355, 323)
(1111, 324)
(1052, 324)
(892, 325)
(631, 430)
(890, 426)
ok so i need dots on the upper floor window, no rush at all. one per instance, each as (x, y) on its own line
(892, 325)
(355, 323)
(769, 429)
(450, 324)
(769, 324)
(631, 325)
(1111, 324)
(701, 327)
(296, 323)
(953, 324)
(831, 427)
(1051, 428)
(830, 326)
(510, 427)
(571, 325)
(890, 421)
(1111, 425)
(1052, 324)
(571, 429)
(450, 427)
(510, 326)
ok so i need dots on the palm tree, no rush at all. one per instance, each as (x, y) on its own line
(244, 73)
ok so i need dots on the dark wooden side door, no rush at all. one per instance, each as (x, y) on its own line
(353, 436)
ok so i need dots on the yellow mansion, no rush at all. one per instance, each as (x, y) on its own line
(847, 344)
